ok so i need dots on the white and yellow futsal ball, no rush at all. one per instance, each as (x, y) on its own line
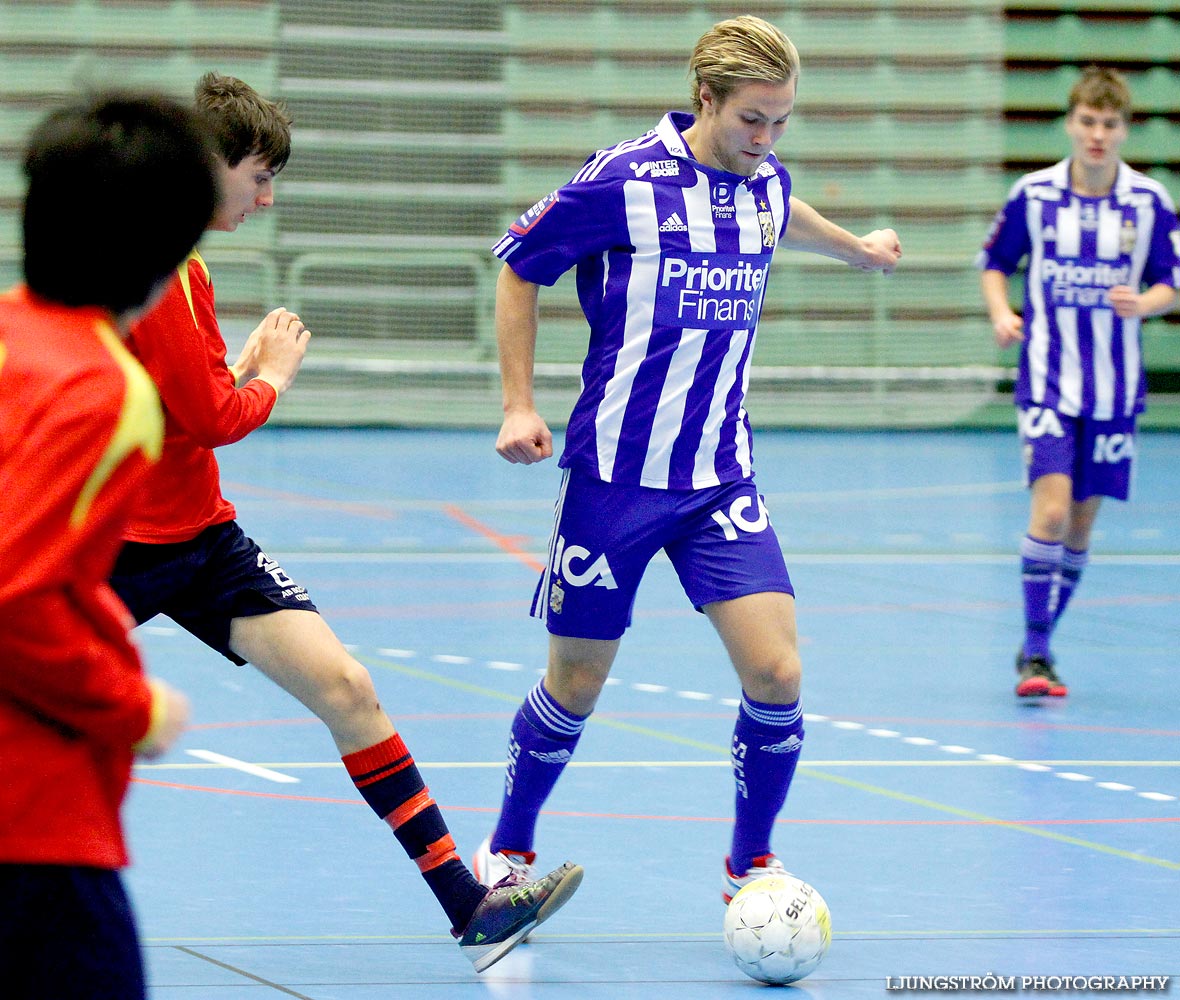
(778, 929)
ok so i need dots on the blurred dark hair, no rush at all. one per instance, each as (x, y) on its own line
(120, 188)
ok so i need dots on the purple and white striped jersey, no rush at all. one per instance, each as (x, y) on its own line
(1078, 357)
(672, 258)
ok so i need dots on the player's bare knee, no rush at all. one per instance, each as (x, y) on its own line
(1050, 520)
(352, 689)
(576, 686)
(775, 682)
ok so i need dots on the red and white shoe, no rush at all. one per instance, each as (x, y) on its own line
(1037, 678)
(491, 869)
(766, 864)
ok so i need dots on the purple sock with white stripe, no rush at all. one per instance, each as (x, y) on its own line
(1073, 563)
(766, 744)
(1040, 565)
(541, 743)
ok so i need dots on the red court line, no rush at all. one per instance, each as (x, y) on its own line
(569, 814)
(357, 507)
(311, 720)
(728, 713)
(250, 723)
(506, 543)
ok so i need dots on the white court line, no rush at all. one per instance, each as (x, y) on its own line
(808, 558)
(216, 760)
(241, 765)
(850, 725)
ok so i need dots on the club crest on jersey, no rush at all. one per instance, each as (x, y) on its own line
(766, 221)
(556, 597)
(1128, 236)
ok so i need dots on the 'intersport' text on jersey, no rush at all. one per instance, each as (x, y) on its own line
(671, 259)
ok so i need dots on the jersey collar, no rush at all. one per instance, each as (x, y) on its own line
(670, 131)
(1059, 177)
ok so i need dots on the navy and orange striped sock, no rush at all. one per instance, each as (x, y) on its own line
(387, 777)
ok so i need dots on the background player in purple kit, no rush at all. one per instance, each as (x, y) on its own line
(672, 234)
(1103, 252)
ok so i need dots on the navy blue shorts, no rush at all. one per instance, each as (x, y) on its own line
(719, 541)
(67, 931)
(1097, 455)
(205, 583)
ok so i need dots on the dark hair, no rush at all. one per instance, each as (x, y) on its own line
(243, 122)
(120, 188)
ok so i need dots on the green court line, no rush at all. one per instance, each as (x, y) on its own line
(860, 786)
(990, 820)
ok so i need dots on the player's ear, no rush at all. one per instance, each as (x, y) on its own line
(709, 100)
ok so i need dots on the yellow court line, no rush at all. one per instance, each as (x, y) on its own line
(809, 770)
(1062, 838)
(1146, 933)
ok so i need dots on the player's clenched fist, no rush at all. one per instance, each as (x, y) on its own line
(524, 439)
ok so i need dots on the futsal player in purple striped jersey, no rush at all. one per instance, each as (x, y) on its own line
(672, 235)
(1103, 252)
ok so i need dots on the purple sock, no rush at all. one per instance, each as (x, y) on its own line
(1040, 564)
(766, 744)
(1072, 564)
(541, 743)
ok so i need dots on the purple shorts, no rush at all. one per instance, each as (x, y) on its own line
(1097, 455)
(719, 541)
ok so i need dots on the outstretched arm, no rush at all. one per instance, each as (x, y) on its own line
(810, 231)
(524, 437)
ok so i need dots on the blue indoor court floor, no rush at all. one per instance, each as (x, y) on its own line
(952, 829)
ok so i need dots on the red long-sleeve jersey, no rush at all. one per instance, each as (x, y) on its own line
(79, 425)
(181, 346)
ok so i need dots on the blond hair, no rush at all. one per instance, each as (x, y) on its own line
(1104, 89)
(738, 51)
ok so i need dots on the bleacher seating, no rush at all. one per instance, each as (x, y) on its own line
(422, 129)
(52, 49)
